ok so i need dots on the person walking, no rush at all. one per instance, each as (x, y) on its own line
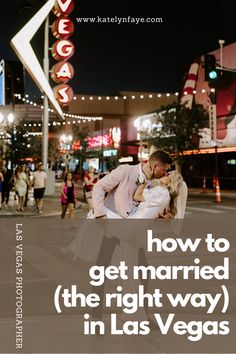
(39, 184)
(21, 183)
(27, 171)
(68, 196)
(7, 184)
(90, 178)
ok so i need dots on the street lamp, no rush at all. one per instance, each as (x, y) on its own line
(66, 141)
(138, 126)
(213, 114)
(65, 144)
(221, 43)
(9, 119)
(143, 125)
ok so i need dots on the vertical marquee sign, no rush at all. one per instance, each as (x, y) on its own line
(62, 51)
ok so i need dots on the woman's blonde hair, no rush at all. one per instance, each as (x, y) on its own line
(174, 188)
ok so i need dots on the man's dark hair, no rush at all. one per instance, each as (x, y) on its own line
(161, 156)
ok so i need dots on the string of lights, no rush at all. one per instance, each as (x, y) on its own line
(54, 123)
(116, 98)
(133, 97)
(80, 118)
(125, 97)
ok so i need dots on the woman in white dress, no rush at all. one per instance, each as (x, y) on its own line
(21, 183)
(152, 199)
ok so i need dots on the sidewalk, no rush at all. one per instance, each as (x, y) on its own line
(51, 205)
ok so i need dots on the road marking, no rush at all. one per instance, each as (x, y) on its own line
(225, 207)
(213, 211)
(199, 201)
(45, 214)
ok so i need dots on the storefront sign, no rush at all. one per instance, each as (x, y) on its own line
(99, 140)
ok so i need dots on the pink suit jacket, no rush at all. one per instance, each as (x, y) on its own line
(121, 186)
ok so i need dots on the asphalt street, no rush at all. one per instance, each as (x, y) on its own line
(198, 203)
(45, 266)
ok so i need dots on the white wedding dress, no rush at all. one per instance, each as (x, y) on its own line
(156, 200)
(86, 244)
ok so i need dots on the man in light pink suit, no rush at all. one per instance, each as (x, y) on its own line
(121, 185)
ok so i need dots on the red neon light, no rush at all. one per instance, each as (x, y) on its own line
(63, 8)
(209, 151)
(63, 28)
(76, 145)
(62, 72)
(62, 50)
(63, 94)
(99, 140)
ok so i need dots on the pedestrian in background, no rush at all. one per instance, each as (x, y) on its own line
(21, 183)
(27, 171)
(90, 178)
(68, 196)
(7, 184)
(39, 184)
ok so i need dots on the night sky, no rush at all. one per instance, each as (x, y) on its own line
(144, 57)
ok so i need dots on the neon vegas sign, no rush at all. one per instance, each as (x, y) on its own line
(62, 50)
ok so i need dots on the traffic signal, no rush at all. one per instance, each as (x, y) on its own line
(211, 72)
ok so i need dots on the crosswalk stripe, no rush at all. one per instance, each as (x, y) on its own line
(213, 211)
(225, 207)
(56, 213)
(197, 202)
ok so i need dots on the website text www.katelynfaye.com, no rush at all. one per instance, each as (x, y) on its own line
(119, 20)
